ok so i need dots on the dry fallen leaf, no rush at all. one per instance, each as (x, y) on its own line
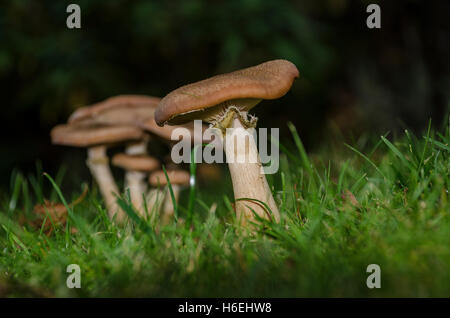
(348, 197)
(51, 213)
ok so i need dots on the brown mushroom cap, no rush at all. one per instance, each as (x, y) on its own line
(87, 136)
(135, 110)
(122, 109)
(243, 88)
(142, 163)
(165, 132)
(176, 176)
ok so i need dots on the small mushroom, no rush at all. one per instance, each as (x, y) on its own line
(224, 102)
(134, 110)
(137, 167)
(97, 138)
(178, 179)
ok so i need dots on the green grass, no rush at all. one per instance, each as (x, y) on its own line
(344, 207)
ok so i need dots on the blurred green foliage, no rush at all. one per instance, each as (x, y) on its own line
(145, 46)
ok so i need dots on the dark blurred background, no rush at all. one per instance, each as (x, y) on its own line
(353, 79)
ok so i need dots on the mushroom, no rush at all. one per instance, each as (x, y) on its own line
(120, 110)
(135, 110)
(178, 179)
(224, 102)
(137, 167)
(97, 138)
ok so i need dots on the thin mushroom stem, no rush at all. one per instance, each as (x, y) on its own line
(98, 164)
(137, 148)
(246, 173)
(135, 180)
(155, 200)
(168, 208)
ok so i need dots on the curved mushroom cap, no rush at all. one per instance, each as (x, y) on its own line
(243, 89)
(176, 177)
(142, 163)
(87, 136)
(136, 110)
(122, 109)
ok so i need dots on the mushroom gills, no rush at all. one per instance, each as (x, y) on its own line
(214, 114)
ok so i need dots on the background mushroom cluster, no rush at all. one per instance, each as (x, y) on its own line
(134, 121)
(124, 121)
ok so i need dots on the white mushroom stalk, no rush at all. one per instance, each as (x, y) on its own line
(223, 101)
(96, 137)
(135, 180)
(160, 195)
(250, 187)
(155, 201)
(168, 210)
(98, 164)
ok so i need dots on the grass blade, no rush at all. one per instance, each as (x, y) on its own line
(172, 196)
(192, 185)
(367, 159)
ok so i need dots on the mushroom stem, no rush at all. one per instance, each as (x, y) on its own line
(155, 199)
(248, 180)
(168, 208)
(134, 180)
(98, 164)
(137, 148)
